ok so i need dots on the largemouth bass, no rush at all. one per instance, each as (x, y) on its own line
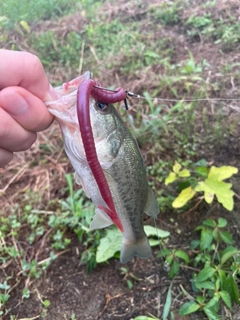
(121, 162)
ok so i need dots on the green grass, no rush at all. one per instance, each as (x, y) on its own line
(34, 11)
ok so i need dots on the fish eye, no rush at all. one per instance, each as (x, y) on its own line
(102, 106)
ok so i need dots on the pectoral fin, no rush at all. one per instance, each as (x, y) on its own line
(100, 220)
(152, 206)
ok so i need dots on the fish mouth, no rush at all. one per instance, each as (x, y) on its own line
(66, 94)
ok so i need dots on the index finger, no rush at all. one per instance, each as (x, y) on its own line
(25, 70)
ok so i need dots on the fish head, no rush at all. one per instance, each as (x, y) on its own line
(105, 122)
(108, 131)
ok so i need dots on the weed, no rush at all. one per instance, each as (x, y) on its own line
(129, 277)
(211, 186)
(216, 279)
(168, 13)
(47, 45)
(4, 295)
(208, 26)
(75, 214)
(32, 11)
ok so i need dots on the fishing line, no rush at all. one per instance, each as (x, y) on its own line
(133, 95)
(138, 96)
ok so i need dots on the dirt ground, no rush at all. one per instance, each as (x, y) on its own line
(103, 294)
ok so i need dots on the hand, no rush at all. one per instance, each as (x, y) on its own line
(23, 88)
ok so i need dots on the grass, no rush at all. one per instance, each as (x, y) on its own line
(33, 11)
(159, 50)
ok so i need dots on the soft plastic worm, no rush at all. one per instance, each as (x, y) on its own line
(108, 96)
(85, 90)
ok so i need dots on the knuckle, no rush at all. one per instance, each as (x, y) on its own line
(35, 63)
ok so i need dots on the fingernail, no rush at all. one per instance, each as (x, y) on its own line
(14, 104)
(51, 95)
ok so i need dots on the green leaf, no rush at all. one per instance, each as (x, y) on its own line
(204, 285)
(46, 303)
(222, 276)
(209, 223)
(228, 253)
(164, 252)
(177, 167)
(171, 178)
(4, 298)
(226, 298)
(206, 238)
(183, 197)
(222, 222)
(208, 193)
(4, 286)
(174, 269)
(188, 307)
(214, 185)
(109, 245)
(225, 196)
(212, 315)
(200, 299)
(213, 303)
(156, 232)
(184, 173)
(154, 242)
(226, 237)
(201, 163)
(183, 255)
(26, 293)
(201, 171)
(168, 303)
(221, 173)
(129, 284)
(231, 287)
(205, 274)
(194, 244)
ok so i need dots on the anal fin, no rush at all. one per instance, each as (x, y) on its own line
(152, 206)
(100, 220)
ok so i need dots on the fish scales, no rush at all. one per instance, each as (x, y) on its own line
(132, 188)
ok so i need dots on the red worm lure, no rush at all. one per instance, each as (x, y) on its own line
(85, 90)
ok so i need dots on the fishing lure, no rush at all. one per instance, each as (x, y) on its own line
(103, 96)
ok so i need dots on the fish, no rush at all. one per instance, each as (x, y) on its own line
(121, 162)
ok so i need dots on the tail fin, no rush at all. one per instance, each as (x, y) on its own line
(140, 249)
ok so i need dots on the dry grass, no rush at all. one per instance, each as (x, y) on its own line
(36, 170)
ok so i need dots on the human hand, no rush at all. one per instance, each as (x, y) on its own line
(23, 88)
